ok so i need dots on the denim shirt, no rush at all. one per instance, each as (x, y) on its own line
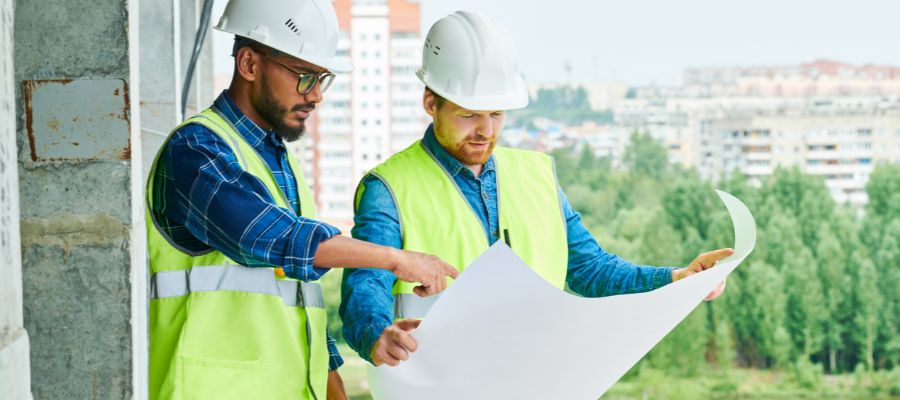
(367, 305)
(203, 199)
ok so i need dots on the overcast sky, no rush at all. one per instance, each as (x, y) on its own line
(651, 41)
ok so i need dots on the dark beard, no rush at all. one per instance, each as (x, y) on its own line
(272, 113)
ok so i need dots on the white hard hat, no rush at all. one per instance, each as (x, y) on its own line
(306, 29)
(470, 59)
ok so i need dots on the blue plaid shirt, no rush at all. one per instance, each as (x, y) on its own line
(367, 306)
(204, 200)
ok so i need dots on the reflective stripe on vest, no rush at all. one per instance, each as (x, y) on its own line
(412, 305)
(235, 278)
(200, 305)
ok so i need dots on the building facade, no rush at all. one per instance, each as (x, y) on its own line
(370, 113)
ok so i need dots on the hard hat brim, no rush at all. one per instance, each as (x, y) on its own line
(333, 64)
(501, 102)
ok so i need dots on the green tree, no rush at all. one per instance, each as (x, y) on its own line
(807, 312)
(835, 283)
(682, 351)
(760, 309)
(646, 156)
(803, 196)
(887, 267)
(867, 305)
(883, 190)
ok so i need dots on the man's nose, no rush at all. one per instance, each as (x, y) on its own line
(485, 127)
(315, 95)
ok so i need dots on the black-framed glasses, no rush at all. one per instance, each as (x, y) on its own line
(306, 81)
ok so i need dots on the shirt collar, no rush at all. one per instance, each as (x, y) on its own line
(257, 137)
(450, 163)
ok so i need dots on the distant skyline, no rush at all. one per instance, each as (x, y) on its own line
(644, 42)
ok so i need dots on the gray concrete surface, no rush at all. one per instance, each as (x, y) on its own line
(76, 214)
(15, 377)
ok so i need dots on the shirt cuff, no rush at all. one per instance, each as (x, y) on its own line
(334, 356)
(662, 277)
(302, 266)
(369, 336)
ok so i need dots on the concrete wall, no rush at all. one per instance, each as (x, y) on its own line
(166, 43)
(72, 81)
(15, 380)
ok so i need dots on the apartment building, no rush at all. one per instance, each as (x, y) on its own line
(370, 113)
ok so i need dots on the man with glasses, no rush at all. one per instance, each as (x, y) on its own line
(234, 246)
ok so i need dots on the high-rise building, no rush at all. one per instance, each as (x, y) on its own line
(370, 113)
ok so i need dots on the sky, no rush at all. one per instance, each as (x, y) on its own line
(642, 42)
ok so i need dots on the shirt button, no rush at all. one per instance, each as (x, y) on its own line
(484, 195)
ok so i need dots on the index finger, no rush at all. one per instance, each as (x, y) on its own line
(715, 255)
(450, 271)
(406, 340)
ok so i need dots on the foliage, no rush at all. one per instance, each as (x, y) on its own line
(819, 293)
(819, 296)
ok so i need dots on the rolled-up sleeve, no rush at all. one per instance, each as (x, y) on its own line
(334, 356)
(367, 306)
(203, 195)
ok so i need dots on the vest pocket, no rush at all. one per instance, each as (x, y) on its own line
(206, 378)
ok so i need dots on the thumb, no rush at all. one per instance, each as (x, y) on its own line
(408, 324)
(421, 290)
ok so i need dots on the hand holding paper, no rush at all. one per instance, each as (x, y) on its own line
(533, 341)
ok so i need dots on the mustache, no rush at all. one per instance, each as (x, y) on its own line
(481, 139)
(304, 107)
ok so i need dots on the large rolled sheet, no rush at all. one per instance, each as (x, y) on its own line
(502, 332)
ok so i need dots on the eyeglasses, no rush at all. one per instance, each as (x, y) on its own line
(306, 81)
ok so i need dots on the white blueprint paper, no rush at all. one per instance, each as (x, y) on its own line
(502, 332)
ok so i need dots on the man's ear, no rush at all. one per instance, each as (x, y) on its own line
(246, 63)
(429, 103)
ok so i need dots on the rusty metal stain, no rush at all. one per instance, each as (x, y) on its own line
(77, 120)
(53, 124)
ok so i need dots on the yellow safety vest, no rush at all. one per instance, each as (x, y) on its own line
(436, 219)
(219, 330)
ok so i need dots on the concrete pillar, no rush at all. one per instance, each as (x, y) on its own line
(168, 30)
(15, 378)
(82, 255)
(160, 61)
